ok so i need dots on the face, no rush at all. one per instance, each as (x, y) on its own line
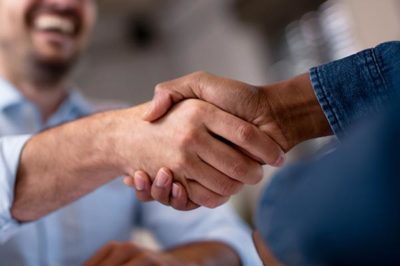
(53, 31)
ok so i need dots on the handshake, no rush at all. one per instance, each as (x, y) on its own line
(203, 137)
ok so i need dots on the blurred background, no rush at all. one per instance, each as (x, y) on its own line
(139, 43)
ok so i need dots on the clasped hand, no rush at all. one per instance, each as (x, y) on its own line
(228, 136)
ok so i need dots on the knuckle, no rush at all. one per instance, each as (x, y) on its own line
(190, 111)
(160, 87)
(245, 133)
(230, 188)
(256, 176)
(239, 171)
(207, 201)
(195, 108)
(183, 162)
(213, 202)
(188, 138)
(218, 202)
(199, 74)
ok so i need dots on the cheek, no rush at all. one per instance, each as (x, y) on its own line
(12, 22)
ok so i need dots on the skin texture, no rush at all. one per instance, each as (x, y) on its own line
(288, 112)
(129, 254)
(94, 150)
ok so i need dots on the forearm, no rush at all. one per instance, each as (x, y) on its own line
(205, 254)
(335, 96)
(64, 163)
(296, 110)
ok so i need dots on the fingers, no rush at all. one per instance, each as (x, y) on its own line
(176, 196)
(180, 199)
(190, 86)
(165, 97)
(228, 168)
(120, 253)
(113, 253)
(220, 157)
(161, 103)
(205, 197)
(246, 136)
(162, 186)
(98, 256)
(162, 189)
(142, 185)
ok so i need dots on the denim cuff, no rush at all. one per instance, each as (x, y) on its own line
(351, 88)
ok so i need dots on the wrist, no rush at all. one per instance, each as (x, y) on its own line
(125, 132)
(296, 110)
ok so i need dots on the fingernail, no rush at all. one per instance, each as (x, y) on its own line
(175, 190)
(281, 160)
(139, 182)
(161, 179)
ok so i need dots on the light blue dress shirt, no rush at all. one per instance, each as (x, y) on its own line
(72, 234)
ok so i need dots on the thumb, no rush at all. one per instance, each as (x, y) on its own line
(158, 106)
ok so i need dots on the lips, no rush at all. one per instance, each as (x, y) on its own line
(63, 20)
(55, 23)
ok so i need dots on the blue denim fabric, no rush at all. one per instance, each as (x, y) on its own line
(344, 208)
(352, 88)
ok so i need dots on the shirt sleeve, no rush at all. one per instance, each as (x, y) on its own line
(172, 227)
(10, 151)
(350, 89)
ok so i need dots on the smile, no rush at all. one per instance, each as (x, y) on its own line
(54, 23)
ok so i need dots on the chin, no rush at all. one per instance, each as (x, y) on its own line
(55, 56)
(50, 68)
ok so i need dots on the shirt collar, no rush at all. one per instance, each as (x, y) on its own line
(74, 103)
(9, 95)
(73, 107)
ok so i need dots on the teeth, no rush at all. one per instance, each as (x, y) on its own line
(54, 23)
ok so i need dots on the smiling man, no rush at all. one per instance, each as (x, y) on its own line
(44, 218)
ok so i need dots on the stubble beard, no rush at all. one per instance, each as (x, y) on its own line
(50, 73)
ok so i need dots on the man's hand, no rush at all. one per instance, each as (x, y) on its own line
(211, 153)
(171, 193)
(129, 254)
(197, 142)
(287, 111)
(204, 253)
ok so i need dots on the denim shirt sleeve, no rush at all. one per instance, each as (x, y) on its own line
(350, 89)
(10, 150)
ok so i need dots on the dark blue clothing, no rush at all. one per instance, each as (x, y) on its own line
(351, 88)
(344, 208)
